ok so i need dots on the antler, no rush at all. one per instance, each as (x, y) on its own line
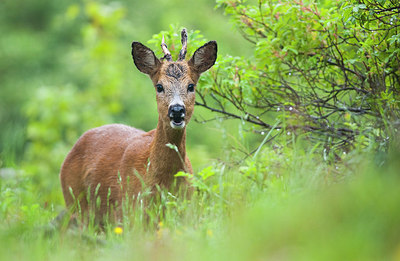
(167, 54)
(183, 51)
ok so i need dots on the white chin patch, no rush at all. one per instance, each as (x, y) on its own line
(177, 126)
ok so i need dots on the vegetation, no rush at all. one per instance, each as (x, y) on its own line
(329, 71)
(307, 169)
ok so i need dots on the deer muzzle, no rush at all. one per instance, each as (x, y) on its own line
(176, 115)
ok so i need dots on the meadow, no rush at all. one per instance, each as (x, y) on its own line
(294, 141)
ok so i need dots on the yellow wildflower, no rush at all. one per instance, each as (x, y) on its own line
(118, 230)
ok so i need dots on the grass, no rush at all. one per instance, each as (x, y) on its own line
(285, 204)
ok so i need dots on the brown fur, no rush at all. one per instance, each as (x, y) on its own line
(117, 157)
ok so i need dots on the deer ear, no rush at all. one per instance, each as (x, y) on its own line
(144, 58)
(204, 57)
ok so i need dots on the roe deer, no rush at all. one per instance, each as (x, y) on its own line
(113, 160)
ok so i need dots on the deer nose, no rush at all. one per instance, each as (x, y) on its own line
(176, 112)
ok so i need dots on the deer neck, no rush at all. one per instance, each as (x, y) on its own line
(165, 161)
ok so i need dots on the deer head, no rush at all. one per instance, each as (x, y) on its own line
(175, 82)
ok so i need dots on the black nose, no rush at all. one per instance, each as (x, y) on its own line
(176, 112)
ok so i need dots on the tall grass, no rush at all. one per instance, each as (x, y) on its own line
(284, 204)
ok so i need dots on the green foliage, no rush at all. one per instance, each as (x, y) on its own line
(20, 208)
(330, 71)
(66, 111)
(341, 223)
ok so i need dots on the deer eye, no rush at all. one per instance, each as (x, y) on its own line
(190, 87)
(160, 88)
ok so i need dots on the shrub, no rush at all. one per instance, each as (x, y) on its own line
(329, 71)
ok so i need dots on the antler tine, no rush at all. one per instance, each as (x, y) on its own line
(183, 51)
(164, 47)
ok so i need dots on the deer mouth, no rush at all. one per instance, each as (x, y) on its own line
(177, 121)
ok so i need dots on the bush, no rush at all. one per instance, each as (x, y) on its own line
(329, 71)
